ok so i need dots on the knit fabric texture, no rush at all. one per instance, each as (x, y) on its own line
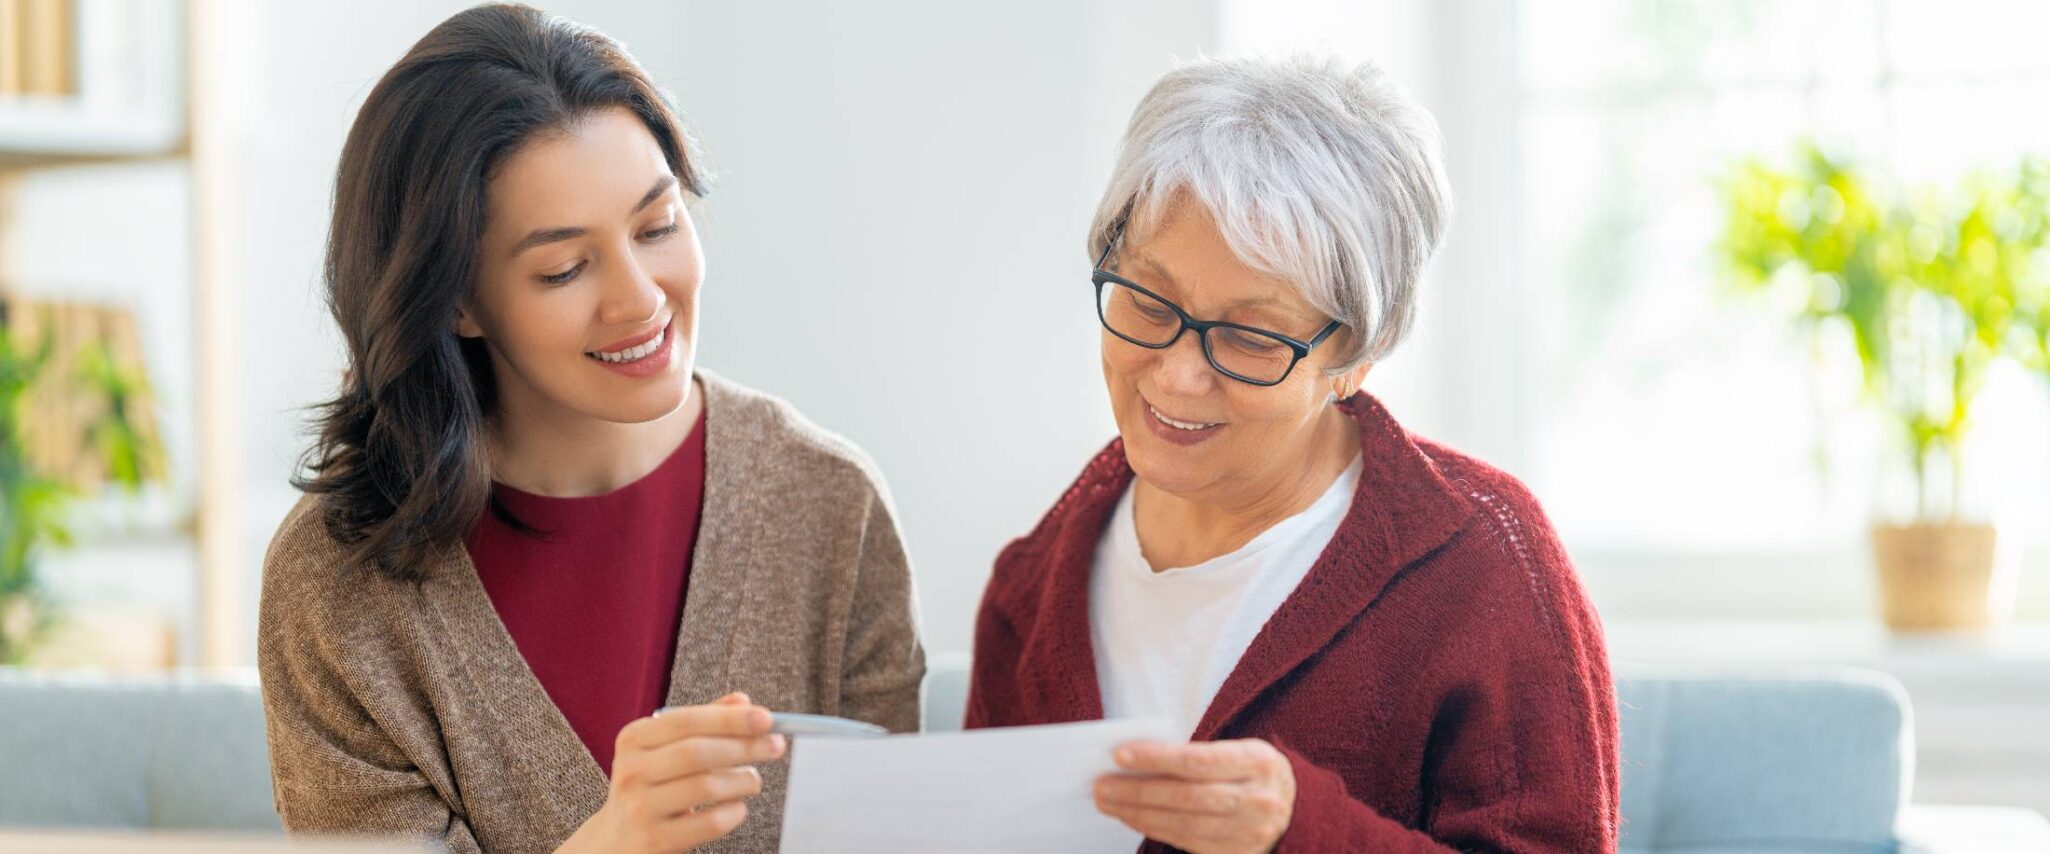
(399, 708)
(1438, 681)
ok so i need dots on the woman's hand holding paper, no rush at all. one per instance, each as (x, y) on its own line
(1203, 797)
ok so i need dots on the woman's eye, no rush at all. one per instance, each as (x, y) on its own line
(1150, 309)
(565, 276)
(1250, 342)
(659, 233)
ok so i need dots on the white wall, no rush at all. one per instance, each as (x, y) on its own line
(894, 241)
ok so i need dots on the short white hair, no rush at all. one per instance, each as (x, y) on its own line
(1323, 174)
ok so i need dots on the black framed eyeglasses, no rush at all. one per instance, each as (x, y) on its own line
(1248, 354)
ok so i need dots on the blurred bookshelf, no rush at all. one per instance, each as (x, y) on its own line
(94, 93)
(85, 81)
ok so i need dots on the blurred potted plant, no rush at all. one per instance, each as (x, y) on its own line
(2032, 293)
(33, 501)
(1929, 294)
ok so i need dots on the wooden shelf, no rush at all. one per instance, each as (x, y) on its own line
(19, 161)
(130, 100)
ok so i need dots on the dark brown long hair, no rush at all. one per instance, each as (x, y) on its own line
(401, 460)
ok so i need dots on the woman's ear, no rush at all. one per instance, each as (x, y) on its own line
(1348, 383)
(466, 324)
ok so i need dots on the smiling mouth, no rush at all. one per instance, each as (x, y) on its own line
(1181, 425)
(635, 353)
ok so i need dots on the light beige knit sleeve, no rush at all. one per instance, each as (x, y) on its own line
(884, 661)
(334, 769)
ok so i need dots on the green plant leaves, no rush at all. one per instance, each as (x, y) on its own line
(1934, 288)
(32, 504)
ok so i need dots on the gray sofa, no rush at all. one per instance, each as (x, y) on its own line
(180, 753)
(1791, 762)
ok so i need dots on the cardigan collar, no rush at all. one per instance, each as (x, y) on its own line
(1402, 510)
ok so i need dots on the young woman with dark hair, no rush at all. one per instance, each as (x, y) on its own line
(471, 618)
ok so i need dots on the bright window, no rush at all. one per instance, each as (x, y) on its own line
(1664, 412)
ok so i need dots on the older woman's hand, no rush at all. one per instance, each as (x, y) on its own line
(1203, 797)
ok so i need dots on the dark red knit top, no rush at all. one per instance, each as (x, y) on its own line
(1438, 680)
(595, 603)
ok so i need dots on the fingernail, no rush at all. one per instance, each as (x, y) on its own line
(1123, 756)
(759, 719)
(777, 743)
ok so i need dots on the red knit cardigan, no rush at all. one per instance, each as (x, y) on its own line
(1438, 681)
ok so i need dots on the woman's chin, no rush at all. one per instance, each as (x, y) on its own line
(643, 405)
(1173, 469)
(657, 410)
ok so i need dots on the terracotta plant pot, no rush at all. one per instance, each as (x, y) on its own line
(1936, 576)
(18, 622)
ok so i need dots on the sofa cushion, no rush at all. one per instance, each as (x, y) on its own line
(180, 752)
(1793, 760)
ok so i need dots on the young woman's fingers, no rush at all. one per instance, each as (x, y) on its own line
(698, 754)
(693, 829)
(726, 718)
(695, 791)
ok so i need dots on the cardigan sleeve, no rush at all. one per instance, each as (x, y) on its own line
(334, 770)
(885, 663)
(1523, 721)
(1518, 777)
(1327, 819)
(993, 637)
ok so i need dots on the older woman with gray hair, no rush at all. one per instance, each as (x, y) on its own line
(1372, 641)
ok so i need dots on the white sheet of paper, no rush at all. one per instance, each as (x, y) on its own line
(1016, 789)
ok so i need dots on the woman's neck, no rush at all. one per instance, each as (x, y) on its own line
(549, 451)
(1176, 531)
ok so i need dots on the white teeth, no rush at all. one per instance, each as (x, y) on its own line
(1183, 425)
(635, 353)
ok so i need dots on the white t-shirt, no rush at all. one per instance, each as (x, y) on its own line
(1165, 641)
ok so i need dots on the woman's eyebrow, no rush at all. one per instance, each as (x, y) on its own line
(1267, 301)
(662, 185)
(1145, 260)
(542, 236)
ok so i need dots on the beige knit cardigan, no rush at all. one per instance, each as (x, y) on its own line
(398, 708)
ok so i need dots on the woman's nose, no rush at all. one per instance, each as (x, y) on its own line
(1182, 367)
(631, 295)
